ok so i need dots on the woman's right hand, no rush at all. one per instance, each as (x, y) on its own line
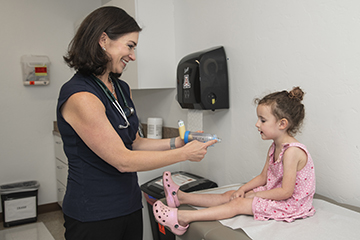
(196, 150)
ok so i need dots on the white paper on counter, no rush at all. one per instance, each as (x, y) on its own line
(329, 222)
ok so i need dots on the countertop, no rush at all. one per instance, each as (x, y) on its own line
(166, 131)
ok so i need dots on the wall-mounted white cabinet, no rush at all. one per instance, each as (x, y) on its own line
(61, 169)
(155, 66)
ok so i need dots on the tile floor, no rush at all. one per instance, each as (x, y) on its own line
(49, 226)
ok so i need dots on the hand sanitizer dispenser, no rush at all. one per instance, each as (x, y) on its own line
(202, 80)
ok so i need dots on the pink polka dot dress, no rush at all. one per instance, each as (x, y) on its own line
(299, 205)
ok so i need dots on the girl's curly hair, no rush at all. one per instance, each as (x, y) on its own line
(287, 105)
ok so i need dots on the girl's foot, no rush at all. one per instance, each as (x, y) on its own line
(170, 189)
(167, 217)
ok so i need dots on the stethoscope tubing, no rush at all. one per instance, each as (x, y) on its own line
(114, 101)
(122, 113)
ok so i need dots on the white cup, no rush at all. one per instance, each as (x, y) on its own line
(154, 128)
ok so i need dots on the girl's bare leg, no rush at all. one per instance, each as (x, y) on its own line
(223, 211)
(203, 200)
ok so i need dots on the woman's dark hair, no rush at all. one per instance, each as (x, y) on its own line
(287, 105)
(84, 52)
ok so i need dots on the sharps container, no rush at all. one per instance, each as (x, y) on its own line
(153, 190)
(19, 202)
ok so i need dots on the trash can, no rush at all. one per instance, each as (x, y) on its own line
(19, 202)
(153, 191)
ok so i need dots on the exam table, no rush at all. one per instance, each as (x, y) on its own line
(214, 230)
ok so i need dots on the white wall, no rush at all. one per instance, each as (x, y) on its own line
(40, 27)
(271, 45)
(275, 45)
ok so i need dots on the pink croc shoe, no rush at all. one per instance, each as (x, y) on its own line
(170, 189)
(167, 217)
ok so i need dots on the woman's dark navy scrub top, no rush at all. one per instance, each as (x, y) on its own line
(95, 189)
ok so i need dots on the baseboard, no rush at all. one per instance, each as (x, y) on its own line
(45, 208)
(50, 207)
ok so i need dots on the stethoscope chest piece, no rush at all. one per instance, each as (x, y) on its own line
(129, 111)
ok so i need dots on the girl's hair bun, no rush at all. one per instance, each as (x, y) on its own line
(296, 93)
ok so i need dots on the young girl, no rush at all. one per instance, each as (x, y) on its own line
(284, 189)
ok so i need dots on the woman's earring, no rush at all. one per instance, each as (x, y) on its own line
(103, 48)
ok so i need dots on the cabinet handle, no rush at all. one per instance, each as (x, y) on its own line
(60, 167)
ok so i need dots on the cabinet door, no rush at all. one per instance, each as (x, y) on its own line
(60, 192)
(156, 50)
(130, 73)
(59, 150)
(61, 169)
(61, 172)
(155, 65)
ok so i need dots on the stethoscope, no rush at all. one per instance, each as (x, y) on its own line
(124, 113)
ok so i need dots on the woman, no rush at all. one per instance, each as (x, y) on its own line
(98, 125)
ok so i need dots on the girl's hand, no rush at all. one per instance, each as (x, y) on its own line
(238, 193)
(250, 194)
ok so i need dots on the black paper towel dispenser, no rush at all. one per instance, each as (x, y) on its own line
(202, 80)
